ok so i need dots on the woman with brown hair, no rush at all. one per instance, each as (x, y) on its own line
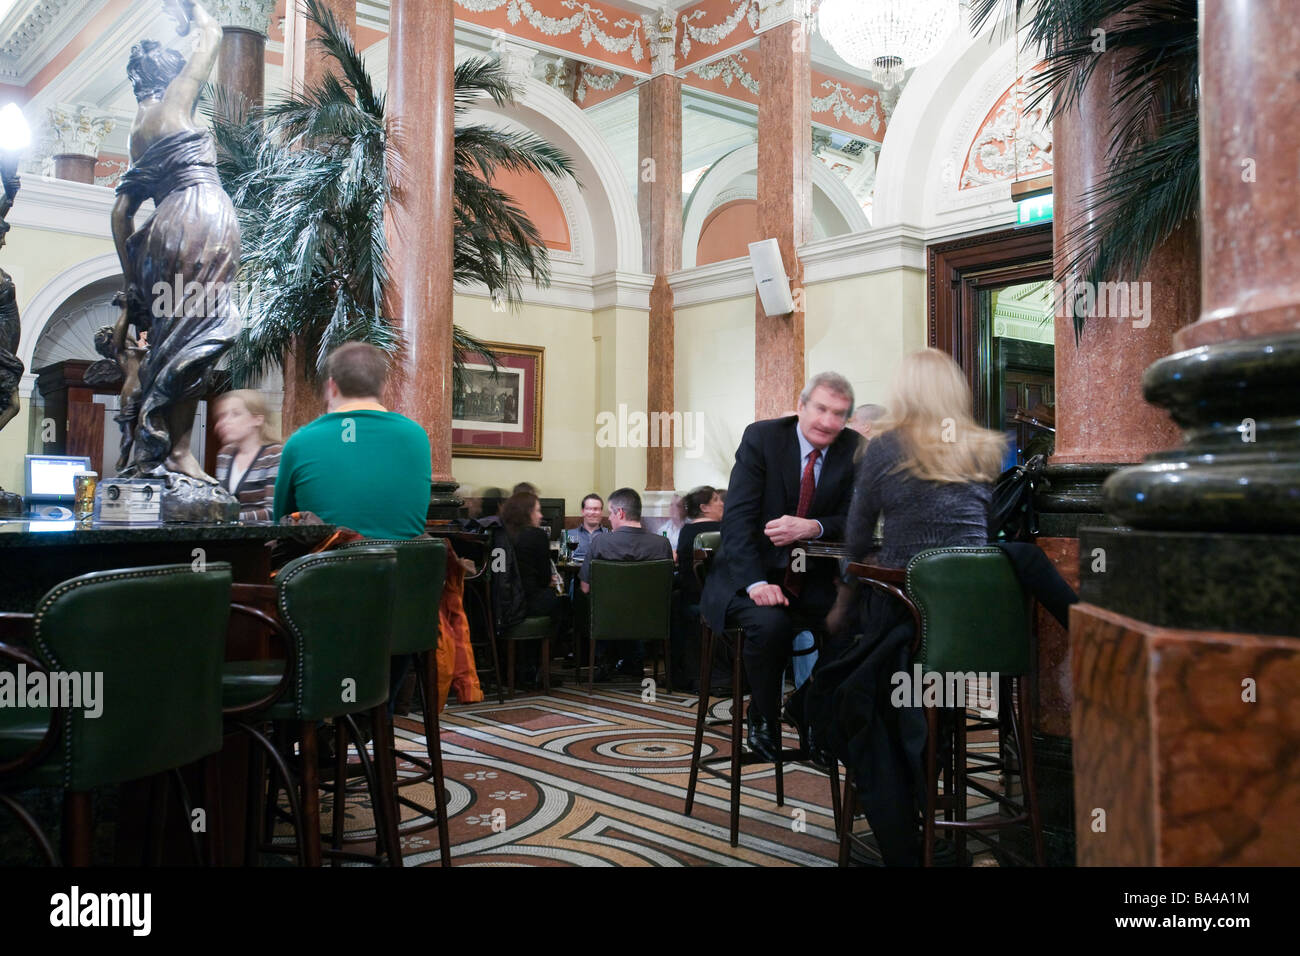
(249, 460)
(521, 516)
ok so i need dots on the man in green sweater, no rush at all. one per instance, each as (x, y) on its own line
(359, 465)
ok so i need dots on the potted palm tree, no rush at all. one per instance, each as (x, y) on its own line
(311, 176)
(1153, 186)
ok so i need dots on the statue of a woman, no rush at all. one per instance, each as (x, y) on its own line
(190, 243)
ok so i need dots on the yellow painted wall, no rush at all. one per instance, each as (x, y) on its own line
(33, 257)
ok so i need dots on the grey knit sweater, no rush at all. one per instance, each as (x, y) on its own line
(918, 514)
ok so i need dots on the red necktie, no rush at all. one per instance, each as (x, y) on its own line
(807, 486)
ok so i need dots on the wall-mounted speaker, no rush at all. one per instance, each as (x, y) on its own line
(770, 277)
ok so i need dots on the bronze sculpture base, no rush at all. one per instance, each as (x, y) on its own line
(186, 500)
(10, 504)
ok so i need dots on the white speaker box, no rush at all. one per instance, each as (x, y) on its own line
(770, 277)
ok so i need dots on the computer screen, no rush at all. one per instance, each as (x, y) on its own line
(49, 478)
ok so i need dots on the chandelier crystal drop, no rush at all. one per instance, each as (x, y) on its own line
(887, 37)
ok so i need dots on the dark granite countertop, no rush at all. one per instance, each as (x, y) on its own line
(24, 534)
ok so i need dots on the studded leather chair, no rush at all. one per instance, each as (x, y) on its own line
(631, 601)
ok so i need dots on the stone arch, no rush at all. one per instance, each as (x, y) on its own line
(45, 305)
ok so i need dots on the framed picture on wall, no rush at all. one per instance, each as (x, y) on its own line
(497, 413)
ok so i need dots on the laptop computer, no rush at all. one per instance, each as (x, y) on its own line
(50, 489)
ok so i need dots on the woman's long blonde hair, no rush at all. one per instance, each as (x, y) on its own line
(256, 405)
(932, 411)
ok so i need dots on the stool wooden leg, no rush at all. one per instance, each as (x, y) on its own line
(701, 712)
(668, 665)
(835, 791)
(510, 666)
(931, 785)
(78, 828)
(591, 665)
(153, 849)
(340, 788)
(1027, 784)
(546, 664)
(737, 721)
(215, 811)
(386, 778)
(959, 782)
(310, 790)
(28, 823)
(433, 747)
(256, 793)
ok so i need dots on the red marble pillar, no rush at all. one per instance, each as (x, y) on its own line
(784, 205)
(1249, 173)
(421, 62)
(241, 67)
(303, 401)
(659, 200)
(75, 168)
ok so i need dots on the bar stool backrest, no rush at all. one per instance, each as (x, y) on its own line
(421, 571)
(156, 637)
(631, 600)
(974, 613)
(339, 606)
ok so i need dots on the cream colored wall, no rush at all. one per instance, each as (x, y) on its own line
(33, 257)
(859, 326)
(862, 326)
(568, 465)
(714, 378)
(622, 377)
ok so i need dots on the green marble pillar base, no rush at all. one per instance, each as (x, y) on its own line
(1239, 470)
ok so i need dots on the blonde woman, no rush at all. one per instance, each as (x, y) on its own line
(249, 459)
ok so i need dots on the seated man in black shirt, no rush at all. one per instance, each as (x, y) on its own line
(628, 542)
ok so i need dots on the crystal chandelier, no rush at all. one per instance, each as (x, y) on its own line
(887, 37)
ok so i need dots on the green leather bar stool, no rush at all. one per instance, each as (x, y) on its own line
(631, 601)
(151, 641)
(971, 616)
(530, 629)
(337, 608)
(421, 572)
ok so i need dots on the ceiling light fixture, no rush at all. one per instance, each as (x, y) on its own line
(887, 37)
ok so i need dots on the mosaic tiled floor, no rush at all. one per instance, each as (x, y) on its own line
(567, 779)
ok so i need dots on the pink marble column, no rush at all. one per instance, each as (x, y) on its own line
(659, 202)
(75, 168)
(241, 68)
(784, 205)
(1101, 415)
(421, 62)
(1250, 176)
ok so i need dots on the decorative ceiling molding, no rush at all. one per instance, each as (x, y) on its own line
(842, 103)
(35, 31)
(661, 34)
(744, 14)
(1012, 143)
(729, 69)
(587, 20)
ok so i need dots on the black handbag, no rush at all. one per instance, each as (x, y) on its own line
(1012, 516)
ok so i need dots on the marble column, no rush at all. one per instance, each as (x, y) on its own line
(784, 195)
(76, 134)
(241, 68)
(421, 63)
(305, 66)
(1184, 655)
(1102, 420)
(659, 201)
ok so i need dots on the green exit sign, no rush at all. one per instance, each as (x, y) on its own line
(1038, 209)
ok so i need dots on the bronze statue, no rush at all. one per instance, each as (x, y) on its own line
(11, 367)
(191, 242)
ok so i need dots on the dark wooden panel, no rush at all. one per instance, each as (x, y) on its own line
(86, 433)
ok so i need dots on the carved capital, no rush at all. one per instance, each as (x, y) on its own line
(559, 74)
(516, 59)
(773, 13)
(75, 131)
(253, 15)
(661, 34)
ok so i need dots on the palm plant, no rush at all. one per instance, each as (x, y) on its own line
(311, 177)
(1153, 185)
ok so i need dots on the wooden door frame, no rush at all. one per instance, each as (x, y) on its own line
(959, 269)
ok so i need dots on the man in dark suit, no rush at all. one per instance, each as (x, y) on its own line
(792, 481)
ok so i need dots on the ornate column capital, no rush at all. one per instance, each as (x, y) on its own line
(559, 74)
(251, 15)
(661, 35)
(517, 59)
(76, 130)
(773, 13)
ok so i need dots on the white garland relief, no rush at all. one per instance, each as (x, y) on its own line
(730, 69)
(1014, 143)
(712, 36)
(603, 82)
(114, 168)
(587, 19)
(840, 101)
